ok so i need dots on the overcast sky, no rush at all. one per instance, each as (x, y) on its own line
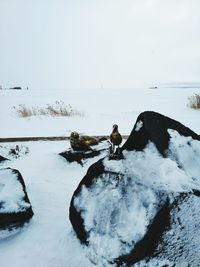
(98, 43)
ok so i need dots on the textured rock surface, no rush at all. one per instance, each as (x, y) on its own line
(152, 126)
(81, 156)
(78, 156)
(137, 208)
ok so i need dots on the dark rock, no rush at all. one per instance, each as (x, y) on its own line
(156, 227)
(103, 201)
(180, 244)
(13, 212)
(78, 156)
(2, 159)
(147, 245)
(117, 155)
(101, 139)
(74, 215)
(152, 126)
(81, 156)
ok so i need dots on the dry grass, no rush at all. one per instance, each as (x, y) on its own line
(194, 101)
(59, 108)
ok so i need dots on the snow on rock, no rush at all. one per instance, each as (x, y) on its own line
(13, 151)
(15, 208)
(148, 167)
(106, 208)
(11, 193)
(112, 211)
(138, 126)
(81, 156)
(180, 244)
(155, 129)
(127, 210)
(186, 152)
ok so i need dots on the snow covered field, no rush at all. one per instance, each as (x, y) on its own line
(48, 239)
(102, 108)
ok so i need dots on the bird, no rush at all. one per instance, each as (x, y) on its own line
(82, 143)
(115, 138)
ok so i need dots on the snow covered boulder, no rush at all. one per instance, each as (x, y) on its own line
(152, 126)
(114, 213)
(127, 210)
(15, 207)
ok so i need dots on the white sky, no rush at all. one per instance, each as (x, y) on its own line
(93, 43)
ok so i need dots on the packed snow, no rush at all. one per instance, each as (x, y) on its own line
(150, 168)
(48, 240)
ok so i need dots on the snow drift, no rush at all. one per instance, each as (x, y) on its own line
(143, 207)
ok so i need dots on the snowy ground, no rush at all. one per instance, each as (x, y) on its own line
(102, 108)
(48, 240)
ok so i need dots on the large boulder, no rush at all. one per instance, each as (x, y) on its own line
(153, 127)
(106, 210)
(15, 207)
(126, 210)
